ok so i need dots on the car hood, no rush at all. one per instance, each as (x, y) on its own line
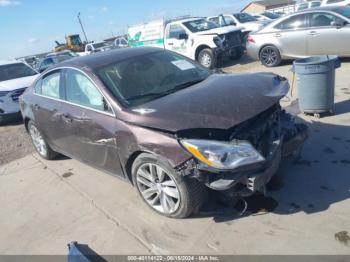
(17, 83)
(221, 101)
(219, 30)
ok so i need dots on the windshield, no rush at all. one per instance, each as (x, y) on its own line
(13, 71)
(200, 25)
(344, 11)
(99, 45)
(244, 18)
(271, 15)
(144, 78)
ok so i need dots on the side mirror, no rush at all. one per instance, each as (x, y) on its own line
(183, 36)
(339, 23)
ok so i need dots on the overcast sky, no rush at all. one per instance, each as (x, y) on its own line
(31, 26)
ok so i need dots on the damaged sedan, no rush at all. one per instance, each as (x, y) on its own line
(164, 123)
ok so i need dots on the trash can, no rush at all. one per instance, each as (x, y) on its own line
(315, 80)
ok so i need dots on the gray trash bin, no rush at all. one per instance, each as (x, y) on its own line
(315, 79)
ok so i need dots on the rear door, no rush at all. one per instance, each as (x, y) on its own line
(324, 37)
(47, 106)
(290, 35)
(91, 123)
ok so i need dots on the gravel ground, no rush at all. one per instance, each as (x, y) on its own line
(15, 142)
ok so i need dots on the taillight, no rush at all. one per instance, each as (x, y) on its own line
(250, 39)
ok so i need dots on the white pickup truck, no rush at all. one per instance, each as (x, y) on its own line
(196, 38)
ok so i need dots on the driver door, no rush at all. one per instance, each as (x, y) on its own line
(175, 41)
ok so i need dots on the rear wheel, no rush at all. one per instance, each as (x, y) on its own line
(207, 58)
(164, 190)
(39, 142)
(270, 56)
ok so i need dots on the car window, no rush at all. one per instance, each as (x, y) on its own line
(215, 20)
(123, 42)
(175, 31)
(51, 85)
(334, 1)
(16, 70)
(315, 4)
(294, 22)
(303, 6)
(37, 87)
(229, 20)
(80, 90)
(322, 19)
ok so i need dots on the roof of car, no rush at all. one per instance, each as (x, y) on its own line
(8, 62)
(108, 57)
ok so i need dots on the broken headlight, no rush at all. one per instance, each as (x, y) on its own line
(223, 155)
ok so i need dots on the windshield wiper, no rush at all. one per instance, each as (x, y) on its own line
(168, 92)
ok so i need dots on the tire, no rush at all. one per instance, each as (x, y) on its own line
(39, 142)
(270, 56)
(190, 192)
(207, 58)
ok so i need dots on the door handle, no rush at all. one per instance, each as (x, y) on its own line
(277, 35)
(67, 118)
(312, 33)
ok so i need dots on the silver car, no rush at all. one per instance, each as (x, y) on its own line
(321, 31)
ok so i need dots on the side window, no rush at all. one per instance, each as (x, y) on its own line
(322, 19)
(215, 20)
(123, 42)
(88, 48)
(51, 85)
(37, 87)
(295, 22)
(80, 90)
(334, 1)
(175, 31)
(315, 4)
(229, 20)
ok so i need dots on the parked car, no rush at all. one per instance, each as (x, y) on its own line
(15, 77)
(247, 22)
(267, 16)
(196, 38)
(121, 42)
(320, 31)
(307, 5)
(54, 58)
(164, 123)
(335, 3)
(97, 47)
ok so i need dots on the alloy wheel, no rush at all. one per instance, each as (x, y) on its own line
(38, 140)
(158, 188)
(269, 56)
(206, 60)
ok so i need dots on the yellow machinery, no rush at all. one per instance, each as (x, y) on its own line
(73, 43)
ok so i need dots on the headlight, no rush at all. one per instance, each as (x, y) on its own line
(223, 155)
(3, 93)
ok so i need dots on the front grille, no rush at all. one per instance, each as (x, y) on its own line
(233, 38)
(17, 93)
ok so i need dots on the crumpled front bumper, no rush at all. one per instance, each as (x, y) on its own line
(254, 177)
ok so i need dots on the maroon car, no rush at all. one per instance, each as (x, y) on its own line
(164, 123)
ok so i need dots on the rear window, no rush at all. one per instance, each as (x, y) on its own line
(13, 71)
(334, 1)
(271, 15)
(245, 18)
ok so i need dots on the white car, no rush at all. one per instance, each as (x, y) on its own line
(97, 47)
(335, 3)
(15, 77)
(247, 22)
(193, 37)
(266, 16)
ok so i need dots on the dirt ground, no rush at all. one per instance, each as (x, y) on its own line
(14, 142)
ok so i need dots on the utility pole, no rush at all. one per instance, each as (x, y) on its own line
(82, 27)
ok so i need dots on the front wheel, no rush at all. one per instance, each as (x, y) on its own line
(270, 56)
(39, 142)
(207, 58)
(165, 191)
